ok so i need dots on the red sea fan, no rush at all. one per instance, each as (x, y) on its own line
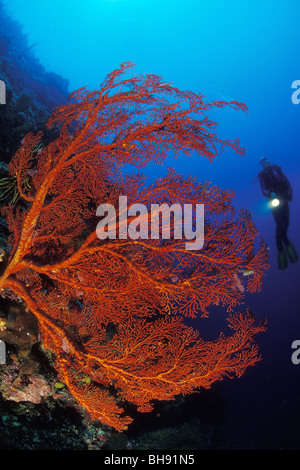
(113, 309)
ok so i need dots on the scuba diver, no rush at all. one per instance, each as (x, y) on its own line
(276, 187)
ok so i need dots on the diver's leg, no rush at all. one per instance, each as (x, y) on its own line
(285, 218)
(282, 259)
(289, 247)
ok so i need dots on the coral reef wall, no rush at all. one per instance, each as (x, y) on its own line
(31, 91)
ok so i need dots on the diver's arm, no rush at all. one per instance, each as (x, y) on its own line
(266, 192)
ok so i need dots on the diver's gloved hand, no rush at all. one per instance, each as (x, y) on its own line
(272, 195)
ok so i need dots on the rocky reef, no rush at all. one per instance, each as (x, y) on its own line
(31, 91)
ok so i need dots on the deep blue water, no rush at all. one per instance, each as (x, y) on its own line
(244, 51)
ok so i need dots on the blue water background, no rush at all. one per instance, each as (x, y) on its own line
(231, 50)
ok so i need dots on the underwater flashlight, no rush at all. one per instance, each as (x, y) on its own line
(275, 202)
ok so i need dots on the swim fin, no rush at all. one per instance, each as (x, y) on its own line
(282, 259)
(292, 253)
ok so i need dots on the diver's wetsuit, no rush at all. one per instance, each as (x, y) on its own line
(273, 180)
